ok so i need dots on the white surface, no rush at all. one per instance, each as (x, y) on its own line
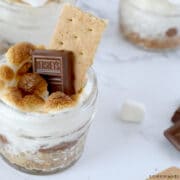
(117, 150)
(132, 111)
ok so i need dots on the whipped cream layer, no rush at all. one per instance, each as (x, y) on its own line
(166, 7)
(149, 18)
(31, 131)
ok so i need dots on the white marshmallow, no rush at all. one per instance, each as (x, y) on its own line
(132, 111)
(36, 3)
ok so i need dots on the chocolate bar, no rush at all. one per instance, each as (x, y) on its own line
(57, 67)
(173, 135)
(176, 116)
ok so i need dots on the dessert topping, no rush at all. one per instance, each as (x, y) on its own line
(32, 83)
(57, 67)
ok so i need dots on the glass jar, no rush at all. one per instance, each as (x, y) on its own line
(47, 143)
(22, 22)
(151, 24)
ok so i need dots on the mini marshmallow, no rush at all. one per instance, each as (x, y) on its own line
(132, 111)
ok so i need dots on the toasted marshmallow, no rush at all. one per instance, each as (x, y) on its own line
(2, 85)
(24, 90)
(32, 103)
(19, 53)
(41, 46)
(24, 68)
(57, 101)
(12, 97)
(6, 73)
(32, 83)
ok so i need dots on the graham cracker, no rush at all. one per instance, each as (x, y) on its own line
(172, 173)
(80, 33)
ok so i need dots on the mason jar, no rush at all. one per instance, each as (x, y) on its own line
(23, 22)
(151, 24)
(47, 143)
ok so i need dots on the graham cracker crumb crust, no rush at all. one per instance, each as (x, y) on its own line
(169, 41)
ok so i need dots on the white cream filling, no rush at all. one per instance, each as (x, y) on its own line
(157, 6)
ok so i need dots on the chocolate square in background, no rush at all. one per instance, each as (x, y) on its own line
(57, 67)
(173, 135)
(176, 116)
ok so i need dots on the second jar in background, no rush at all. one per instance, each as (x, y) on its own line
(151, 24)
(23, 22)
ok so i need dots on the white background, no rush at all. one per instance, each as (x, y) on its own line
(117, 150)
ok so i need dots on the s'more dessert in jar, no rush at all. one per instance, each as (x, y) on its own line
(152, 24)
(48, 96)
(28, 20)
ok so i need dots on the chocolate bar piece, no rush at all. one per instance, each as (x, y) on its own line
(173, 135)
(57, 67)
(176, 116)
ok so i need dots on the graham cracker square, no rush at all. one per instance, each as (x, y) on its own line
(172, 173)
(80, 33)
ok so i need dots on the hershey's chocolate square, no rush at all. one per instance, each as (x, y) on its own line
(57, 67)
(173, 135)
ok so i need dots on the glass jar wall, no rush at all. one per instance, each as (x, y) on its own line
(47, 143)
